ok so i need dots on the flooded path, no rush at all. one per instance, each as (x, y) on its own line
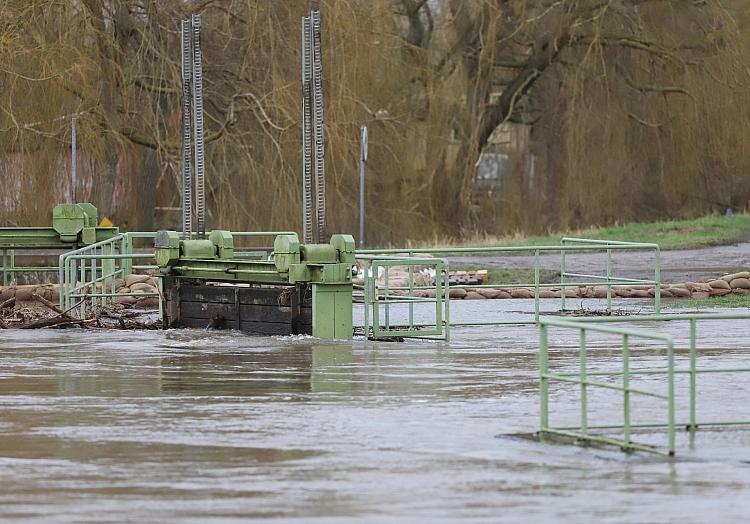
(195, 426)
(682, 265)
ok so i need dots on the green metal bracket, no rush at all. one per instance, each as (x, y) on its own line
(71, 220)
(286, 252)
(167, 244)
(223, 243)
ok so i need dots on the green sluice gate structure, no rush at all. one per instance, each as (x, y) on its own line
(298, 289)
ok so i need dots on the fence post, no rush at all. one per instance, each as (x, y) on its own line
(61, 282)
(626, 388)
(670, 393)
(657, 279)
(411, 292)
(438, 297)
(366, 268)
(584, 386)
(543, 380)
(562, 277)
(693, 371)
(386, 291)
(609, 281)
(126, 249)
(536, 285)
(447, 301)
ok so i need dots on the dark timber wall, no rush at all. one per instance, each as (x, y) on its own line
(283, 310)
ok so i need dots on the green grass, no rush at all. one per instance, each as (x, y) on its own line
(504, 276)
(729, 301)
(675, 234)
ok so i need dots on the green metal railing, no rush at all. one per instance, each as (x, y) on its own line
(379, 297)
(568, 246)
(9, 268)
(87, 275)
(583, 432)
(609, 279)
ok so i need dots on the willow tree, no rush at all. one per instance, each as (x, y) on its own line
(635, 108)
(617, 94)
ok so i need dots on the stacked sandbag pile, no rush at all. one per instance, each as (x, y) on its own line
(137, 285)
(25, 294)
(736, 283)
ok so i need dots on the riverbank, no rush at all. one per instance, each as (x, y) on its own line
(711, 230)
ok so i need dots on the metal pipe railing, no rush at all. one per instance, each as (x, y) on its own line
(582, 376)
(568, 245)
(582, 433)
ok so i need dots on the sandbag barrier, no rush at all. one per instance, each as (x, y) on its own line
(734, 284)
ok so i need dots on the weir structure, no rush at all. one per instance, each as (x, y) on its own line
(300, 288)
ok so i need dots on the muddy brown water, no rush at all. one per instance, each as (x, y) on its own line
(196, 426)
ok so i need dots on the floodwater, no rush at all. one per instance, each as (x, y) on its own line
(196, 426)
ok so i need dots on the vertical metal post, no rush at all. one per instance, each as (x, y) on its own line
(609, 281)
(657, 279)
(626, 388)
(73, 280)
(536, 285)
(83, 289)
(562, 279)
(5, 268)
(375, 300)
(438, 298)
(61, 282)
(200, 190)
(670, 394)
(584, 384)
(73, 158)
(320, 170)
(543, 380)
(411, 291)
(693, 372)
(363, 138)
(307, 165)
(387, 305)
(186, 136)
(367, 283)
(108, 285)
(12, 256)
(446, 300)
(94, 267)
(126, 248)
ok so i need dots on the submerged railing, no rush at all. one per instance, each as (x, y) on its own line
(378, 299)
(9, 269)
(584, 432)
(568, 279)
(88, 275)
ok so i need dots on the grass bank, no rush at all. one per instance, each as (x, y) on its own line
(707, 231)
